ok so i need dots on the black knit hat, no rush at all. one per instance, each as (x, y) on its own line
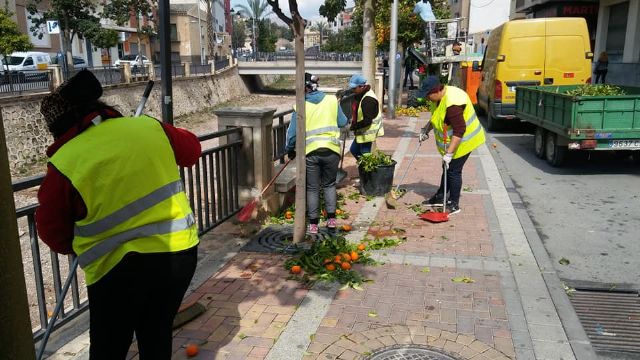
(77, 91)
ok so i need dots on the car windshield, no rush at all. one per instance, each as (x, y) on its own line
(12, 60)
(129, 57)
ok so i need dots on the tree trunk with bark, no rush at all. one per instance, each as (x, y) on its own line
(369, 42)
(210, 30)
(299, 227)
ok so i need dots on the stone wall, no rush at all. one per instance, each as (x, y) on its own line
(28, 138)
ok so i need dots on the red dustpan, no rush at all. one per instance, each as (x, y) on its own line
(434, 216)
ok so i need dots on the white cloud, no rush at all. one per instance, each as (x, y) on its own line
(308, 8)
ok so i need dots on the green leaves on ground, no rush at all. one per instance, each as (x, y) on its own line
(425, 269)
(564, 261)
(463, 279)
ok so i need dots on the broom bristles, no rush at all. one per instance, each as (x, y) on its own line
(245, 214)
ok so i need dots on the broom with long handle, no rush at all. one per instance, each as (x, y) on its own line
(245, 214)
(74, 265)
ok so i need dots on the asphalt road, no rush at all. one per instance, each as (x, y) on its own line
(587, 211)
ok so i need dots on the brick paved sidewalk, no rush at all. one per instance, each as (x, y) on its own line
(254, 312)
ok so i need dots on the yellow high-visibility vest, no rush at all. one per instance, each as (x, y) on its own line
(369, 134)
(474, 134)
(321, 125)
(126, 173)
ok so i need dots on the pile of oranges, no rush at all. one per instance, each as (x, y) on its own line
(342, 261)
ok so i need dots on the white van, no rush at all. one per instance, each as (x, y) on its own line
(30, 60)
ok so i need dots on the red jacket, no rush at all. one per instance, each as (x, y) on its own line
(60, 203)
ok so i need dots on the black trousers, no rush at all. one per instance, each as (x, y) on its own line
(140, 295)
(322, 169)
(454, 179)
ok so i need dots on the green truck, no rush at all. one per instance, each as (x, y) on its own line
(567, 122)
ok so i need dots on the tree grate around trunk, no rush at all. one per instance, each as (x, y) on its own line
(278, 239)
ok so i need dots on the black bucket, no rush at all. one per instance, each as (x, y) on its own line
(379, 181)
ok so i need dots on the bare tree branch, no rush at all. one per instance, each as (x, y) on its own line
(278, 11)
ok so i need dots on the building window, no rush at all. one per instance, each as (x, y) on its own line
(616, 30)
(174, 32)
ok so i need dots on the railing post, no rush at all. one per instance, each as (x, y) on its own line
(255, 163)
(57, 75)
(213, 66)
(16, 340)
(187, 68)
(126, 72)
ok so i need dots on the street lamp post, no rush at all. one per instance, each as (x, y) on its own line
(200, 32)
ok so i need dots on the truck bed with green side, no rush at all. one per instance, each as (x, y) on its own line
(565, 122)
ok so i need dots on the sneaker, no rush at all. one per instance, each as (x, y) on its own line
(332, 223)
(313, 229)
(453, 209)
(435, 200)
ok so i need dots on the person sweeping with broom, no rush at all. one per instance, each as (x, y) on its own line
(324, 118)
(457, 133)
(113, 196)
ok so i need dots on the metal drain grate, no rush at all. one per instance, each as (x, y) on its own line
(408, 352)
(611, 320)
(277, 238)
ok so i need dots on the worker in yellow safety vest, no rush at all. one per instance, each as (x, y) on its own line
(457, 133)
(323, 121)
(113, 196)
(366, 119)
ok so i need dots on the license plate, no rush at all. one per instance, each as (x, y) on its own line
(624, 144)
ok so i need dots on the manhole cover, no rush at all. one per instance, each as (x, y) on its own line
(611, 319)
(277, 238)
(409, 352)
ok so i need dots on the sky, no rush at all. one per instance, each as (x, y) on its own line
(308, 8)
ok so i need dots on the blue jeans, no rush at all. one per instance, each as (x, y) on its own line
(357, 149)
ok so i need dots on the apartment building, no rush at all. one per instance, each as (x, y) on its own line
(343, 20)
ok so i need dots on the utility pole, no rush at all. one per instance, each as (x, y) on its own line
(393, 60)
(165, 62)
(16, 340)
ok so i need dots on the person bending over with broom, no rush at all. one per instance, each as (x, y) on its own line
(324, 118)
(457, 132)
(113, 196)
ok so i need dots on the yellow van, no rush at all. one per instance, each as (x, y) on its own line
(548, 51)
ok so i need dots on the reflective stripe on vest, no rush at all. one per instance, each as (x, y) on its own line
(111, 243)
(130, 210)
(125, 171)
(321, 125)
(474, 133)
(376, 129)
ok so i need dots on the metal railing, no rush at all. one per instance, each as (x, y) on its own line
(279, 134)
(212, 183)
(213, 191)
(18, 82)
(221, 64)
(107, 75)
(200, 69)
(316, 56)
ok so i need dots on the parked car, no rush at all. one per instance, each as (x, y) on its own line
(132, 59)
(30, 60)
(78, 62)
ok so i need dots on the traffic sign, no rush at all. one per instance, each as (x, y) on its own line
(53, 27)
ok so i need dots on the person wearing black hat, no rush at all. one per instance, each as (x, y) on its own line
(457, 133)
(113, 196)
(324, 118)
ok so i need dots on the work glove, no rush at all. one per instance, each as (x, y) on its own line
(291, 154)
(424, 134)
(447, 158)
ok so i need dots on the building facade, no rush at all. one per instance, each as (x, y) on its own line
(614, 27)
(343, 20)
